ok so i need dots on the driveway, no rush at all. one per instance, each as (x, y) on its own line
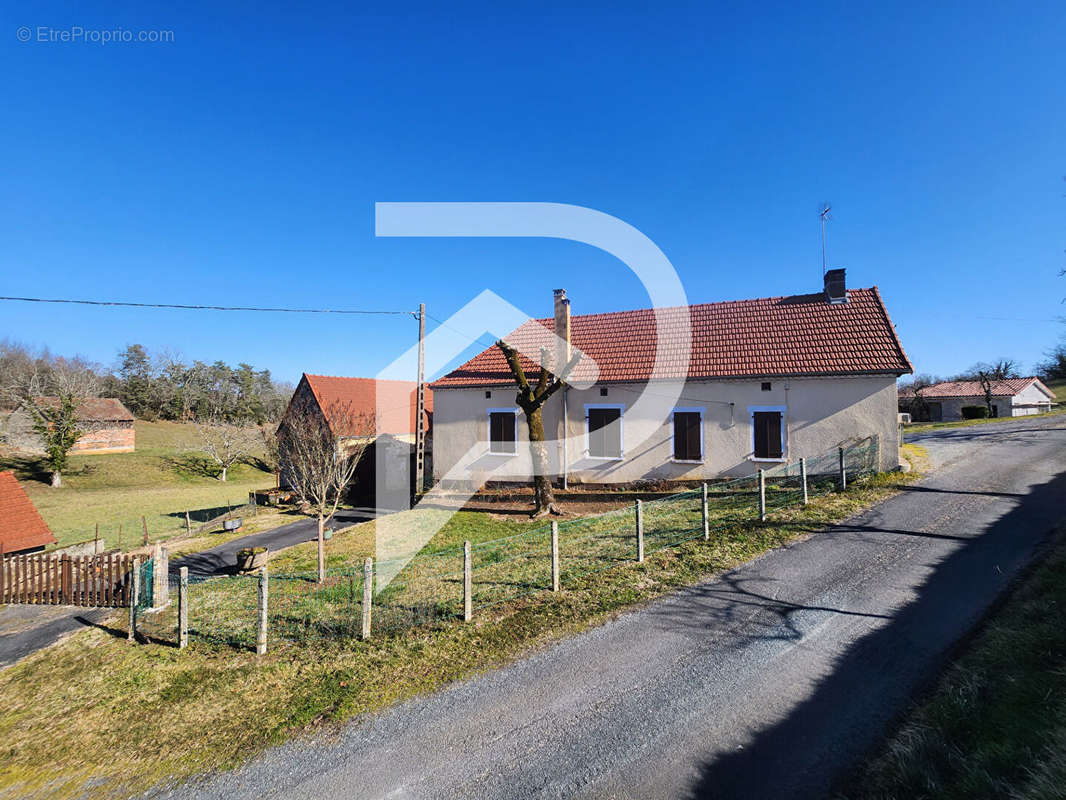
(768, 682)
(222, 560)
(27, 628)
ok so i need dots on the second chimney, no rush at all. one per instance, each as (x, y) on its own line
(562, 330)
(836, 288)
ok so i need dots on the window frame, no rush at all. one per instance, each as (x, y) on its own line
(673, 434)
(621, 408)
(783, 411)
(488, 430)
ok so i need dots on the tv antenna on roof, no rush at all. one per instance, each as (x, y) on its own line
(824, 214)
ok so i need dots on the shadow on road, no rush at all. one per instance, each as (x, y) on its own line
(850, 708)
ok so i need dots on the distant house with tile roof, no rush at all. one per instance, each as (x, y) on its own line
(767, 381)
(1011, 397)
(22, 529)
(382, 411)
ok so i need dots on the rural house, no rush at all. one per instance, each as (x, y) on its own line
(1011, 397)
(22, 530)
(382, 411)
(768, 381)
(107, 426)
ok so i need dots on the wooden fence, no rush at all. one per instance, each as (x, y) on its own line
(103, 580)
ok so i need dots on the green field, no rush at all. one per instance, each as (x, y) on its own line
(160, 480)
(1059, 388)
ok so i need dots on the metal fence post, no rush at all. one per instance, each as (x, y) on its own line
(803, 479)
(640, 530)
(368, 596)
(468, 584)
(183, 608)
(843, 471)
(261, 633)
(762, 496)
(135, 596)
(555, 556)
(706, 515)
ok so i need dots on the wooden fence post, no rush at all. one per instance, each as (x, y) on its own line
(368, 596)
(96, 540)
(261, 633)
(183, 608)
(188, 524)
(261, 629)
(144, 527)
(639, 506)
(706, 514)
(803, 478)
(468, 584)
(555, 556)
(843, 471)
(762, 496)
(135, 595)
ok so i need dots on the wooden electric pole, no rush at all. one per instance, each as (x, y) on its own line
(420, 405)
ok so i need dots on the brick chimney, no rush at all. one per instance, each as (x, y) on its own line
(562, 330)
(836, 288)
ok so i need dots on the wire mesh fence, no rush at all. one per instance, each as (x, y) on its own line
(429, 588)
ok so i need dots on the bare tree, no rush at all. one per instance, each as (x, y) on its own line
(225, 443)
(531, 400)
(319, 451)
(988, 375)
(51, 395)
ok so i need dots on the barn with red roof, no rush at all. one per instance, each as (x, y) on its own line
(766, 381)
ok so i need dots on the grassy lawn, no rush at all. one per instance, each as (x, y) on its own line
(169, 715)
(160, 480)
(1059, 388)
(995, 724)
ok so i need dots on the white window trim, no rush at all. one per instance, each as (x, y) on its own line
(621, 431)
(673, 434)
(783, 410)
(488, 430)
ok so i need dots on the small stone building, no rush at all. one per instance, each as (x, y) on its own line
(107, 425)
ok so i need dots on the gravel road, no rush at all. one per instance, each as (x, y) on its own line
(767, 682)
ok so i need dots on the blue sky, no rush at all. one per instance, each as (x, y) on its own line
(239, 164)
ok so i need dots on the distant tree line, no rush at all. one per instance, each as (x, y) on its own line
(155, 386)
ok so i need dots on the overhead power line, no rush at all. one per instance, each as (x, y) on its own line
(211, 308)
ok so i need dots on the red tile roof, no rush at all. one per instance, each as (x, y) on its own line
(769, 337)
(95, 409)
(362, 395)
(21, 526)
(1004, 388)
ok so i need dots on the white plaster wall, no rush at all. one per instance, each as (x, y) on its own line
(821, 413)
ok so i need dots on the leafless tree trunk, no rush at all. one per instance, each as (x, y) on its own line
(319, 450)
(224, 443)
(531, 400)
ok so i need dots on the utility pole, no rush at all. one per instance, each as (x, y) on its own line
(420, 404)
